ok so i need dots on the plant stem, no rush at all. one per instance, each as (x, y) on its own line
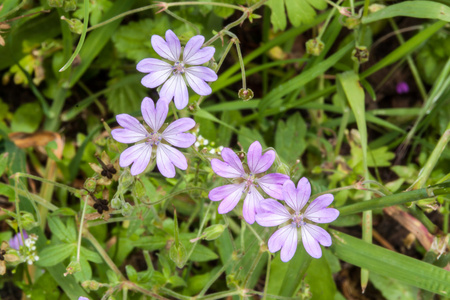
(66, 187)
(205, 217)
(174, 194)
(215, 277)
(266, 283)
(80, 234)
(183, 20)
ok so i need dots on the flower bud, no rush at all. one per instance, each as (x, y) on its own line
(90, 184)
(213, 231)
(90, 285)
(314, 47)
(127, 209)
(125, 180)
(75, 25)
(70, 5)
(116, 203)
(73, 267)
(28, 221)
(245, 94)
(55, 3)
(351, 22)
(360, 54)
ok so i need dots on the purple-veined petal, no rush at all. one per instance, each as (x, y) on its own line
(279, 237)
(290, 195)
(155, 79)
(203, 73)
(257, 162)
(127, 136)
(162, 48)
(310, 243)
(198, 85)
(182, 140)
(319, 203)
(230, 201)
(224, 169)
(233, 160)
(201, 56)
(174, 44)
(251, 202)
(132, 153)
(167, 157)
(273, 213)
(154, 116)
(290, 245)
(303, 192)
(141, 161)
(221, 192)
(325, 215)
(272, 184)
(176, 88)
(148, 65)
(192, 47)
(179, 126)
(131, 123)
(319, 234)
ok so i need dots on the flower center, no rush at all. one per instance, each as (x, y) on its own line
(298, 220)
(154, 139)
(178, 68)
(250, 180)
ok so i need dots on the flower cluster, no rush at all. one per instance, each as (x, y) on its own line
(269, 212)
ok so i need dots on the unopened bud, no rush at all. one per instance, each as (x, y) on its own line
(90, 184)
(116, 203)
(75, 25)
(314, 47)
(127, 209)
(28, 221)
(214, 231)
(246, 94)
(55, 3)
(352, 22)
(360, 54)
(70, 5)
(73, 267)
(90, 285)
(125, 180)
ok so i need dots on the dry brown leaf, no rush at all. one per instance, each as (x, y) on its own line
(38, 139)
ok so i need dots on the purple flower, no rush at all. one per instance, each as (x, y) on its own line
(247, 182)
(83, 298)
(174, 74)
(286, 238)
(167, 157)
(402, 88)
(16, 241)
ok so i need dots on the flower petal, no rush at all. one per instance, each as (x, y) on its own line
(232, 159)
(148, 65)
(290, 195)
(272, 184)
(156, 78)
(230, 201)
(174, 44)
(309, 242)
(251, 202)
(132, 153)
(279, 237)
(303, 192)
(127, 136)
(131, 123)
(257, 162)
(179, 126)
(197, 84)
(176, 88)
(162, 48)
(201, 56)
(154, 117)
(319, 234)
(167, 157)
(203, 73)
(141, 162)
(221, 192)
(325, 215)
(231, 167)
(319, 203)
(182, 140)
(192, 47)
(290, 245)
(274, 213)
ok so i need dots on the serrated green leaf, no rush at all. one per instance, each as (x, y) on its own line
(55, 254)
(290, 138)
(58, 228)
(90, 255)
(126, 98)
(278, 16)
(299, 12)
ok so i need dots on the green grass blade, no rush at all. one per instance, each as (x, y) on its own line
(302, 79)
(414, 9)
(388, 263)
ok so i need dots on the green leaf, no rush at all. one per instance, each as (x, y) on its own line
(320, 280)
(131, 273)
(278, 16)
(91, 255)
(290, 138)
(247, 136)
(299, 12)
(151, 243)
(55, 254)
(58, 228)
(414, 9)
(392, 289)
(133, 40)
(126, 98)
(390, 264)
(27, 118)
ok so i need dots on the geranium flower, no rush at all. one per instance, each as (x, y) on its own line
(16, 241)
(246, 181)
(167, 157)
(285, 238)
(174, 74)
